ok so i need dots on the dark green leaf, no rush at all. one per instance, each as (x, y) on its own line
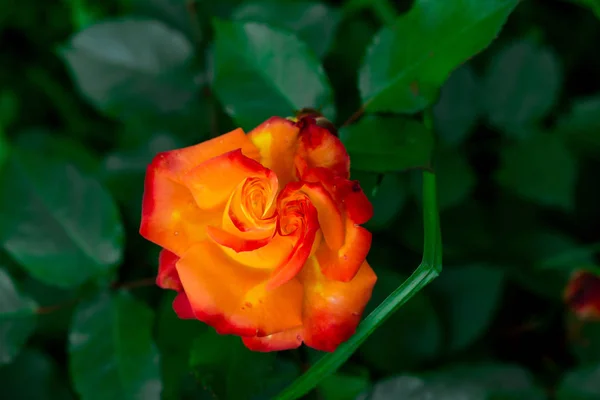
(52, 145)
(581, 126)
(585, 342)
(582, 383)
(34, 375)
(407, 63)
(17, 318)
(408, 387)
(343, 386)
(456, 178)
(384, 144)
(499, 381)
(174, 339)
(420, 339)
(465, 382)
(457, 108)
(9, 107)
(175, 13)
(261, 72)
(594, 6)
(127, 65)
(111, 352)
(3, 148)
(388, 194)
(232, 371)
(540, 169)
(521, 86)
(59, 224)
(312, 22)
(469, 296)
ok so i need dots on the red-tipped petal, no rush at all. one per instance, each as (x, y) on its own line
(182, 306)
(344, 263)
(286, 340)
(332, 309)
(168, 278)
(319, 148)
(170, 216)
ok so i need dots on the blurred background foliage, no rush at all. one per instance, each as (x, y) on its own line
(91, 91)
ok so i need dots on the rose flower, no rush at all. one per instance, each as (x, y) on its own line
(261, 235)
(582, 295)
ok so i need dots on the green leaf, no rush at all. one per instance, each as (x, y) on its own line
(343, 386)
(457, 178)
(585, 343)
(388, 193)
(499, 381)
(407, 63)
(420, 340)
(234, 372)
(521, 85)
(469, 297)
(312, 22)
(4, 148)
(9, 108)
(467, 382)
(34, 375)
(540, 169)
(56, 147)
(456, 111)
(175, 13)
(59, 224)
(581, 126)
(125, 66)
(582, 383)
(174, 338)
(594, 6)
(384, 144)
(17, 318)
(262, 71)
(111, 352)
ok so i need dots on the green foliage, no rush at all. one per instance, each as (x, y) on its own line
(17, 318)
(407, 63)
(521, 85)
(253, 58)
(540, 169)
(384, 144)
(486, 110)
(111, 351)
(68, 217)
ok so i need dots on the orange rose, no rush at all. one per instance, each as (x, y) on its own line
(582, 295)
(261, 235)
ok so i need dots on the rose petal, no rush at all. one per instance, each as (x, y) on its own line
(213, 181)
(328, 213)
(582, 294)
(182, 306)
(344, 263)
(277, 141)
(170, 216)
(319, 148)
(177, 163)
(232, 298)
(234, 242)
(332, 310)
(286, 340)
(167, 273)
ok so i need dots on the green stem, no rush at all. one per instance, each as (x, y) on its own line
(428, 270)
